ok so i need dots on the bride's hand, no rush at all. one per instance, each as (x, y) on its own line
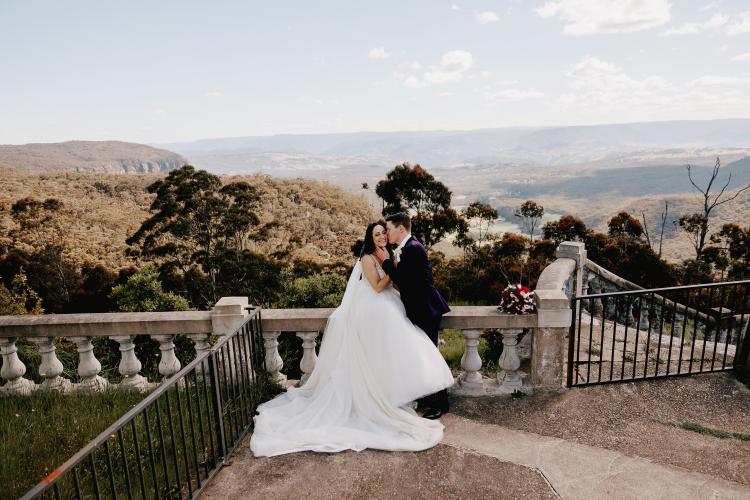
(381, 254)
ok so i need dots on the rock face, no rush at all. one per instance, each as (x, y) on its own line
(90, 156)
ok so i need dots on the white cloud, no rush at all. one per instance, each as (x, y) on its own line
(455, 7)
(713, 80)
(709, 6)
(716, 21)
(604, 89)
(487, 17)
(742, 25)
(412, 65)
(378, 53)
(452, 68)
(497, 96)
(214, 93)
(742, 57)
(591, 17)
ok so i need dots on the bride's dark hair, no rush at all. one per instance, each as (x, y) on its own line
(368, 246)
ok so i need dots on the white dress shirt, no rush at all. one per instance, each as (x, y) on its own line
(397, 251)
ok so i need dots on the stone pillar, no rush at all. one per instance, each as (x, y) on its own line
(168, 364)
(509, 360)
(13, 369)
(228, 314)
(576, 251)
(88, 366)
(554, 315)
(471, 379)
(274, 363)
(51, 368)
(129, 364)
(309, 357)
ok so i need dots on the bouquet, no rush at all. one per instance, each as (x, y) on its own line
(516, 299)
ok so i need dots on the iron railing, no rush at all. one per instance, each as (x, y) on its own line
(176, 439)
(656, 333)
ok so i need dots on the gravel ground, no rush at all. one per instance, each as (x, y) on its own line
(626, 417)
(440, 472)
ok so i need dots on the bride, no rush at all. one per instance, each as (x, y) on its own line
(373, 363)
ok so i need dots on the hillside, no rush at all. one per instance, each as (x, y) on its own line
(89, 156)
(102, 210)
(452, 148)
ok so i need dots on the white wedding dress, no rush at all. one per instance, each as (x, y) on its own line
(373, 362)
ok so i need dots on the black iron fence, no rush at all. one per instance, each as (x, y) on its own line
(661, 332)
(179, 436)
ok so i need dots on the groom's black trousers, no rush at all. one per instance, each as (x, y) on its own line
(431, 327)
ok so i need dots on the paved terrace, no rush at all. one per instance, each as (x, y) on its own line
(616, 441)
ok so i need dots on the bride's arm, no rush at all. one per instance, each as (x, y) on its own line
(371, 273)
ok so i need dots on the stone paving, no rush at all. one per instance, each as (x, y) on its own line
(475, 460)
(579, 471)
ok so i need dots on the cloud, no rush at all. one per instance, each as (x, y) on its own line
(716, 21)
(497, 96)
(378, 53)
(742, 25)
(742, 57)
(592, 17)
(455, 7)
(452, 68)
(487, 17)
(214, 93)
(602, 88)
(709, 6)
(713, 80)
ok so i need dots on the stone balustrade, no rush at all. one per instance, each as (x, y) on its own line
(123, 328)
(546, 333)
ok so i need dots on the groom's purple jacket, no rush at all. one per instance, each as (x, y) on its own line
(413, 276)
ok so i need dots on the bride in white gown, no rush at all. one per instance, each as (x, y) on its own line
(373, 363)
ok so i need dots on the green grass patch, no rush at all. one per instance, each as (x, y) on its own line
(38, 433)
(706, 431)
(41, 431)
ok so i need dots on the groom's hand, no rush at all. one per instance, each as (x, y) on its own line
(381, 254)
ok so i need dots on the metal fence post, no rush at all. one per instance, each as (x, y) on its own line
(218, 406)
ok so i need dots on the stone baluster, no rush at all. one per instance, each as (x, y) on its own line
(168, 364)
(309, 357)
(274, 363)
(88, 366)
(471, 379)
(129, 364)
(13, 369)
(509, 360)
(201, 346)
(51, 368)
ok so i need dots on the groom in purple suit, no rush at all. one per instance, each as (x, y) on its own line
(424, 305)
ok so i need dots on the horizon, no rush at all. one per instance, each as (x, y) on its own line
(184, 71)
(355, 132)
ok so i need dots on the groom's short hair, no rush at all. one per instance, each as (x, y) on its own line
(400, 219)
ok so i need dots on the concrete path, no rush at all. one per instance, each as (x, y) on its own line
(578, 471)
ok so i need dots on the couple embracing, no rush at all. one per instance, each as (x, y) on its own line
(378, 355)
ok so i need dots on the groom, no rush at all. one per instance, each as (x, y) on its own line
(424, 305)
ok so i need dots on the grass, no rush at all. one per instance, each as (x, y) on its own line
(706, 431)
(41, 431)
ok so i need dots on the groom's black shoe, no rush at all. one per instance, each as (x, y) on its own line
(433, 413)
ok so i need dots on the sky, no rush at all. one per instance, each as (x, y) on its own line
(166, 71)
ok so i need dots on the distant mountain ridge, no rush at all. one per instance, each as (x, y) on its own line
(443, 148)
(89, 156)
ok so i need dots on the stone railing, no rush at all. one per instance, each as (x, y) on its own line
(123, 328)
(548, 330)
(546, 334)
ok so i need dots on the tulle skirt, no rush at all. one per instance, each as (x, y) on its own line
(373, 362)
